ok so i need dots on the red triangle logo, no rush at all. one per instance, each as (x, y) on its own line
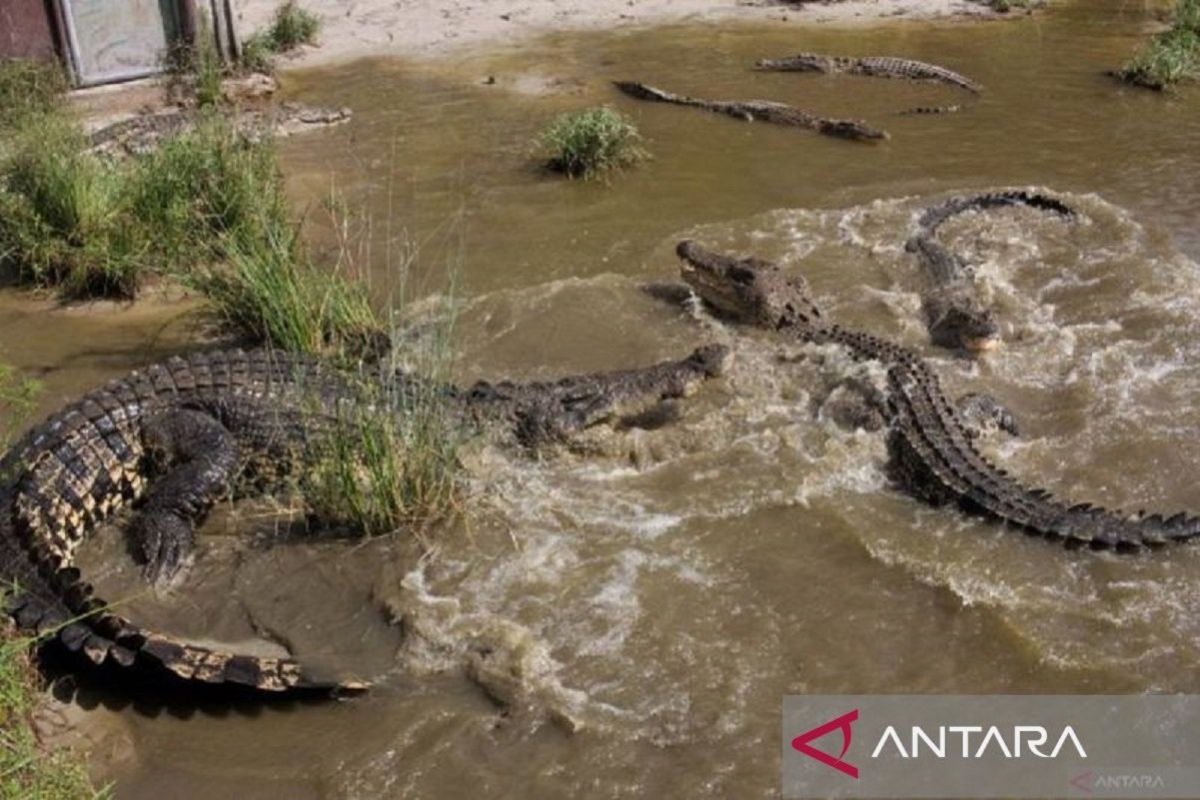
(842, 723)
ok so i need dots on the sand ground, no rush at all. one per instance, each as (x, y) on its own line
(417, 28)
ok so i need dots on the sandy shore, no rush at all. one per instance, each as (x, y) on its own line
(357, 28)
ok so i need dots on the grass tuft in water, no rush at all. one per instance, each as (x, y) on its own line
(392, 462)
(1171, 56)
(591, 144)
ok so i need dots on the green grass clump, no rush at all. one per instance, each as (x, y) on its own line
(63, 222)
(256, 54)
(94, 227)
(392, 462)
(17, 395)
(28, 87)
(592, 143)
(292, 27)
(1171, 56)
(28, 769)
(269, 290)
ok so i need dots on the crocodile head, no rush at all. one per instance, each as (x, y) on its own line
(957, 319)
(748, 289)
(802, 62)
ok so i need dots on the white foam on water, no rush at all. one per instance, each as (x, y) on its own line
(1103, 310)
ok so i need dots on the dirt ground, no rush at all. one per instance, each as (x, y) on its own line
(356, 28)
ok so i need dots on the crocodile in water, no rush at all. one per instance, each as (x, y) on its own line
(760, 111)
(932, 454)
(171, 439)
(954, 314)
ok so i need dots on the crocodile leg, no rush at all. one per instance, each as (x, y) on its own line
(198, 457)
(981, 412)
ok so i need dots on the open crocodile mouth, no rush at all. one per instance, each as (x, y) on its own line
(982, 344)
(710, 280)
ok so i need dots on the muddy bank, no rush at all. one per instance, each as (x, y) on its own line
(352, 30)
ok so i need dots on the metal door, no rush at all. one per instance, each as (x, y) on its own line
(118, 40)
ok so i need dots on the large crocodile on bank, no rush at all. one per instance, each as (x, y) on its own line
(174, 438)
(954, 315)
(932, 454)
(145, 132)
(759, 110)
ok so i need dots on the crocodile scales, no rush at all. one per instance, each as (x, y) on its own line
(932, 452)
(178, 435)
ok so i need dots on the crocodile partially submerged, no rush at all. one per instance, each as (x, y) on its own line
(172, 439)
(877, 67)
(874, 66)
(954, 314)
(759, 111)
(145, 132)
(932, 455)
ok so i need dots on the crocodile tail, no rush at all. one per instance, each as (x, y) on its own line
(101, 635)
(932, 218)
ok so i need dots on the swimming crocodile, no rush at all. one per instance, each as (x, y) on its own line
(172, 439)
(954, 314)
(759, 110)
(143, 133)
(874, 66)
(931, 454)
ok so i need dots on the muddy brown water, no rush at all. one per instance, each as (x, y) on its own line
(625, 623)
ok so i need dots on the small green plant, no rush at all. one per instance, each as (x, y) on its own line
(27, 768)
(1171, 56)
(17, 396)
(256, 54)
(28, 87)
(210, 71)
(292, 27)
(592, 143)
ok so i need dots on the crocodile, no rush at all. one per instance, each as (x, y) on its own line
(931, 454)
(954, 315)
(874, 66)
(144, 133)
(760, 110)
(172, 439)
